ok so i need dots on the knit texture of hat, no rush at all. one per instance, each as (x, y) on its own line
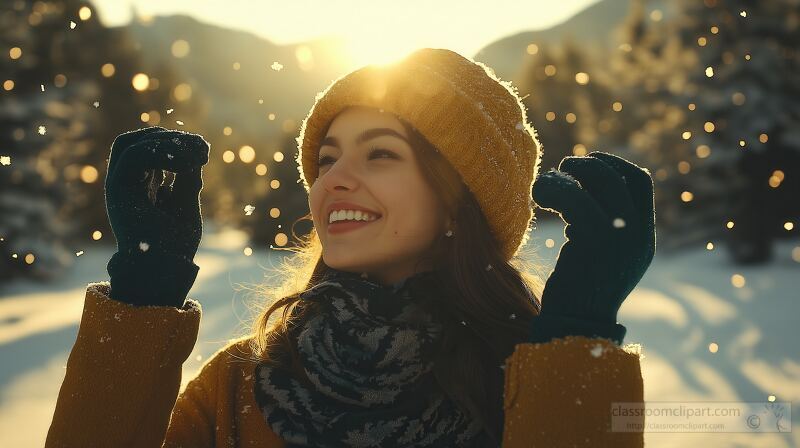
(476, 121)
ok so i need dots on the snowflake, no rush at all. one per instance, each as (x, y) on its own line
(169, 111)
(5, 160)
(248, 209)
(143, 246)
(512, 316)
(79, 253)
(180, 123)
(96, 104)
(42, 130)
(42, 87)
(488, 267)
(619, 223)
(596, 351)
(72, 25)
(277, 66)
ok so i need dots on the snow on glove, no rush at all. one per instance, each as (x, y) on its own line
(608, 205)
(157, 227)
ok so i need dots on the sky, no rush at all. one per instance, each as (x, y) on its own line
(375, 30)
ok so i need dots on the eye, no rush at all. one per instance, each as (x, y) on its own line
(373, 151)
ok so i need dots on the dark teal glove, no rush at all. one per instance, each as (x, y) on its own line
(608, 205)
(157, 227)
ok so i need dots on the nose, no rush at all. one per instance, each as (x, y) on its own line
(340, 175)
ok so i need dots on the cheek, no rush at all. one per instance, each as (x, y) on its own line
(314, 199)
(412, 212)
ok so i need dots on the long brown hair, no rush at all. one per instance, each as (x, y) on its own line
(486, 308)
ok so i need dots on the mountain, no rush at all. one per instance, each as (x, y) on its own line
(593, 29)
(231, 97)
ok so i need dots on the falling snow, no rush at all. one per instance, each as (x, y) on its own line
(619, 223)
(169, 111)
(96, 104)
(277, 66)
(180, 123)
(170, 156)
(143, 246)
(5, 160)
(42, 130)
(79, 253)
(596, 351)
(72, 25)
(248, 209)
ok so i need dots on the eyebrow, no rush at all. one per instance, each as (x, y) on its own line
(366, 135)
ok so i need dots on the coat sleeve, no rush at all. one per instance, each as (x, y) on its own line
(123, 373)
(561, 393)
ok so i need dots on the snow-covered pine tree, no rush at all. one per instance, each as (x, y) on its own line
(564, 100)
(747, 86)
(31, 120)
(691, 92)
(66, 96)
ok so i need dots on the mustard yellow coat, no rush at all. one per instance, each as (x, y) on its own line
(124, 373)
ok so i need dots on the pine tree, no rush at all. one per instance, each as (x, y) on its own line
(748, 108)
(692, 89)
(66, 96)
(32, 118)
(564, 101)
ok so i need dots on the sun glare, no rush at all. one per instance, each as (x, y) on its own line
(376, 51)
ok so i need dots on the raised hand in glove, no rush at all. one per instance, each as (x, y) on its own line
(157, 227)
(607, 203)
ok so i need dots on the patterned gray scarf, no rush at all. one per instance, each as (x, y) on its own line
(368, 357)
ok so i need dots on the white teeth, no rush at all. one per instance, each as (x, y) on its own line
(351, 215)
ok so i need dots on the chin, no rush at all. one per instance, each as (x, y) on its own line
(345, 263)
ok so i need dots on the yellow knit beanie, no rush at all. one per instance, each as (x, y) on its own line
(476, 121)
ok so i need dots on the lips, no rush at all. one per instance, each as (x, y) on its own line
(346, 226)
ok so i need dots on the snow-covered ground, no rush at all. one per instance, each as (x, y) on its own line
(684, 303)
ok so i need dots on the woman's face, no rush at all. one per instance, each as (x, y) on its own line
(365, 159)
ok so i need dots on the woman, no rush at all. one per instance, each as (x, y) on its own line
(413, 326)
